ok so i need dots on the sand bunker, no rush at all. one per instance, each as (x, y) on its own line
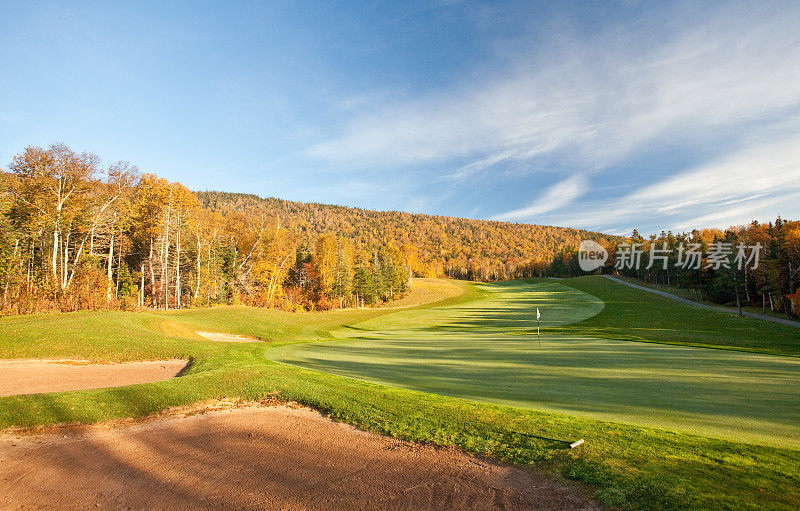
(220, 337)
(258, 458)
(37, 376)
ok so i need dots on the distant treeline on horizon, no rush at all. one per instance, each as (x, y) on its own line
(75, 235)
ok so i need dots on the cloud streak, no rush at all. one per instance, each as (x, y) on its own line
(590, 104)
(760, 181)
(556, 197)
(589, 98)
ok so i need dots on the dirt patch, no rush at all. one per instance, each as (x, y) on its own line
(255, 458)
(220, 337)
(37, 376)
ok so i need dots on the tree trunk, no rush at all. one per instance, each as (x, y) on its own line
(108, 269)
(197, 287)
(746, 285)
(30, 263)
(56, 249)
(738, 302)
(119, 265)
(208, 266)
(65, 261)
(178, 263)
(152, 274)
(75, 262)
(165, 269)
(165, 253)
(275, 278)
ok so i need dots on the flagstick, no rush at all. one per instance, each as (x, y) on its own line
(537, 333)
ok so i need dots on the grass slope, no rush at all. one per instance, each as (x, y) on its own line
(634, 314)
(692, 295)
(632, 467)
(486, 350)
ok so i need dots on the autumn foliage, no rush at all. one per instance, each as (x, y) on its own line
(78, 235)
(75, 235)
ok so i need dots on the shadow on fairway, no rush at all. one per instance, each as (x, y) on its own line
(484, 351)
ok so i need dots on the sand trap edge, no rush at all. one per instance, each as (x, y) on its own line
(20, 377)
(223, 337)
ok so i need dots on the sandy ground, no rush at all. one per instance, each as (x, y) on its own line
(257, 458)
(35, 376)
(220, 337)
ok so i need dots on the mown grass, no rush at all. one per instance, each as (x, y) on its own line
(631, 467)
(754, 398)
(485, 350)
(689, 294)
(633, 314)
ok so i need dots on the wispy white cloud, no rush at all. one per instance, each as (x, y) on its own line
(760, 181)
(756, 173)
(588, 97)
(557, 196)
(591, 104)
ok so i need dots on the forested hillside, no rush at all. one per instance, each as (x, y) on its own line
(456, 247)
(77, 235)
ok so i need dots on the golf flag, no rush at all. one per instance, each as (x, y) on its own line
(538, 315)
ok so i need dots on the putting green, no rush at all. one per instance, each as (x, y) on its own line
(487, 350)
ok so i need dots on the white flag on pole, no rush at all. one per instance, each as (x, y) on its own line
(538, 315)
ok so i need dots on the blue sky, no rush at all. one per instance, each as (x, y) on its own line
(598, 115)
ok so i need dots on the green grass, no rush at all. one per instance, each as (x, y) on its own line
(712, 392)
(487, 350)
(690, 294)
(633, 314)
(631, 466)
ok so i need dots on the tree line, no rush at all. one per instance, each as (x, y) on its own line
(443, 246)
(771, 284)
(75, 234)
(78, 235)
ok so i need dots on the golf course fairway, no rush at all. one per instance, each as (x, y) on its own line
(458, 364)
(488, 350)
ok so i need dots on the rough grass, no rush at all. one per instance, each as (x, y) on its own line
(632, 467)
(426, 291)
(634, 314)
(487, 350)
(690, 294)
